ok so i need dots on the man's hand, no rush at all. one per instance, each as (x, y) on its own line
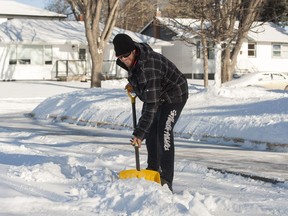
(136, 141)
(129, 88)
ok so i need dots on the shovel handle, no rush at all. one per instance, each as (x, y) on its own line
(137, 158)
(133, 102)
(131, 96)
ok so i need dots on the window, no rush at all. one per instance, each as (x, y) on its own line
(198, 49)
(25, 54)
(252, 49)
(13, 55)
(265, 77)
(210, 50)
(30, 54)
(276, 50)
(82, 54)
(280, 50)
(47, 54)
(284, 50)
(278, 77)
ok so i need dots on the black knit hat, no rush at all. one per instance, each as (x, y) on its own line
(123, 44)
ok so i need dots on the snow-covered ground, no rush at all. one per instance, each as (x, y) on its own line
(65, 160)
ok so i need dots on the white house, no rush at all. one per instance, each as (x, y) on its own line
(51, 49)
(265, 48)
(42, 49)
(10, 9)
(45, 48)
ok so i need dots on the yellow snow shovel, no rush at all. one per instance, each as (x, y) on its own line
(137, 173)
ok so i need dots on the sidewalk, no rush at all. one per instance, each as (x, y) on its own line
(267, 166)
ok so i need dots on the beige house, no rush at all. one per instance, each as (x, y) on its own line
(265, 48)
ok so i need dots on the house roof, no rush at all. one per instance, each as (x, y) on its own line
(57, 32)
(42, 31)
(172, 24)
(268, 32)
(13, 9)
(140, 38)
(261, 32)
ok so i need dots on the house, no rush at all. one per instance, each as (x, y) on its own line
(265, 48)
(52, 49)
(42, 49)
(14, 10)
(49, 48)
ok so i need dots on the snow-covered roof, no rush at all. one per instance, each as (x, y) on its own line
(137, 37)
(42, 31)
(176, 25)
(10, 8)
(264, 32)
(57, 32)
(268, 32)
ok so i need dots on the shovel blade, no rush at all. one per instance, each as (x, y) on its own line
(149, 175)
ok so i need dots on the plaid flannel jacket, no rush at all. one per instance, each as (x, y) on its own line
(155, 80)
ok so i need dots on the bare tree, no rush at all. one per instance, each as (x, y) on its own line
(275, 11)
(226, 23)
(99, 19)
(134, 15)
(60, 6)
(243, 15)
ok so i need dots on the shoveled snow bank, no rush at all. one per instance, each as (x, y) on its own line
(258, 119)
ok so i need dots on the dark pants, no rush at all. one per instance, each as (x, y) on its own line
(160, 140)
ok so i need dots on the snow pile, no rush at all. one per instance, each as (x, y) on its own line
(99, 190)
(48, 172)
(230, 114)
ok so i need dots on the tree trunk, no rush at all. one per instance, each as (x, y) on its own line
(233, 61)
(218, 54)
(249, 12)
(96, 71)
(96, 53)
(99, 23)
(225, 64)
(205, 60)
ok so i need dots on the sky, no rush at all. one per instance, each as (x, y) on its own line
(35, 3)
(67, 158)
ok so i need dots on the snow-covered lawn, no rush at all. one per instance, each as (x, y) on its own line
(65, 160)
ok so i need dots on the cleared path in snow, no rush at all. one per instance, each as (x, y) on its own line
(265, 164)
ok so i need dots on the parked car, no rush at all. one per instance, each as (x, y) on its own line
(268, 80)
